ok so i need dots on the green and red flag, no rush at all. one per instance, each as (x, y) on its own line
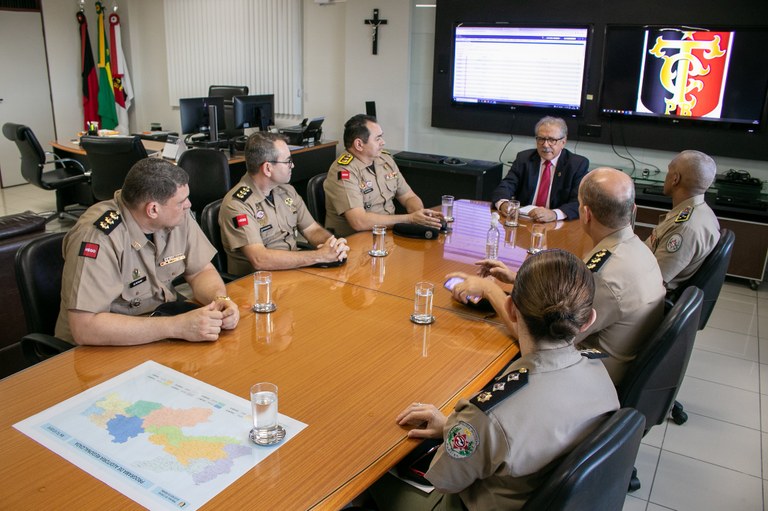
(107, 110)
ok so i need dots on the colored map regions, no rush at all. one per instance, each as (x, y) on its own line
(203, 457)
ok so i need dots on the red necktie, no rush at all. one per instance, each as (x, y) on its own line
(546, 180)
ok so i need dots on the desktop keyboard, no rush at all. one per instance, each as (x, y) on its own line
(420, 157)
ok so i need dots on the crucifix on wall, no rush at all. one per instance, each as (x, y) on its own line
(375, 22)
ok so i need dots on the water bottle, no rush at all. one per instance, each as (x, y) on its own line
(492, 240)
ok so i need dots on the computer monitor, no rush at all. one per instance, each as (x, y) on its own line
(194, 114)
(255, 111)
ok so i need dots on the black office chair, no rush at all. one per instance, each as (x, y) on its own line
(316, 198)
(654, 377)
(39, 266)
(110, 159)
(65, 176)
(209, 176)
(228, 92)
(209, 221)
(596, 473)
(709, 278)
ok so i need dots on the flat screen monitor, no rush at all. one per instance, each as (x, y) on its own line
(510, 66)
(706, 76)
(194, 114)
(255, 111)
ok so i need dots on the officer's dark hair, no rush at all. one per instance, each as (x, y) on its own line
(152, 180)
(357, 127)
(610, 208)
(553, 293)
(260, 148)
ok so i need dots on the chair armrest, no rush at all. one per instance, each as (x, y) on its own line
(37, 347)
(58, 159)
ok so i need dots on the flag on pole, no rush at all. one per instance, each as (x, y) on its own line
(107, 110)
(121, 80)
(88, 73)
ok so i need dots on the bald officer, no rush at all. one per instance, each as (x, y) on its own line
(363, 182)
(686, 235)
(121, 258)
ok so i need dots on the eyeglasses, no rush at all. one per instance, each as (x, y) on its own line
(288, 162)
(547, 140)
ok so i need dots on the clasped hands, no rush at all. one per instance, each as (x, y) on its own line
(479, 285)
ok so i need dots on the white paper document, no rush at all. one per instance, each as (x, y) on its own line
(158, 436)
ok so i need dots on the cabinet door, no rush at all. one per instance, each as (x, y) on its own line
(24, 87)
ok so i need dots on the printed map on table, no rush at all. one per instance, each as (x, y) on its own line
(163, 439)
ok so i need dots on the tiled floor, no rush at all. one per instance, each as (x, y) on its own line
(718, 460)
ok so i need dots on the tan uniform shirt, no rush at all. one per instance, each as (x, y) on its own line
(683, 239)
(111, 266)
(350, 184)
(629, 299)
(495, 459)
(247, 217)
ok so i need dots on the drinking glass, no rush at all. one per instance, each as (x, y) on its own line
(262, 292)
(422, 303)
(379, 241)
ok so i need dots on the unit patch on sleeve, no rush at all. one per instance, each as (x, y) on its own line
(462, 440)
(597, 260)
(500, 389)
(89, 250)
(343, 174)
(674, 243)
(242, 193)
(345, 159)
(240, 221)
(108, 221)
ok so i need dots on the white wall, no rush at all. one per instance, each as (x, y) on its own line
(340, 74)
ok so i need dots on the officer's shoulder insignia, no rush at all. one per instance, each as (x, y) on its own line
(593, 353)
(684, 215)
(500, 389)
(109, 221)
(384, 151)
(242, 193)
(597, 260)
(345, 159)
(462, 440)
(674, 243)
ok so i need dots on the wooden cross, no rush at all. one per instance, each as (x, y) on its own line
(375, 22)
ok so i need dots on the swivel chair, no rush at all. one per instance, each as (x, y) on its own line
(209, 222)
(66, 176)
(39, 265)
(209, 178)
(654, 377)
(596, 473)
(316, 198)
(110, 159)
(709, 278)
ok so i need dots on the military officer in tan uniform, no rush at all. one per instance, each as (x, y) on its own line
(363, 182)
(686, 235)
(500, 444)
(120, 260)
(629, 291)
(262, 216)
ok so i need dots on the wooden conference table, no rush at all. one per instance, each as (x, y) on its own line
(342, 351)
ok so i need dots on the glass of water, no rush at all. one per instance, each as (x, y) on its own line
(422, 303)
(537, 238)
(262, 292)
(379, 241)
(447, 208)
(513, 212)
(266, 429)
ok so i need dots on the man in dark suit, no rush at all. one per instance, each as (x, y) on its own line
(547, 177)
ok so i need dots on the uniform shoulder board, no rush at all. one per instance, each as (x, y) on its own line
(108, 221)
(345, 159)
(384, 151)
(593, 353)
(597, 260)
(500, 389)
(242, 193)
(684, 215)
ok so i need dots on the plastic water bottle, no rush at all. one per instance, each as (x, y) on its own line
(492, 240)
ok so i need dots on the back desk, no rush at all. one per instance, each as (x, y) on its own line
(341, 349)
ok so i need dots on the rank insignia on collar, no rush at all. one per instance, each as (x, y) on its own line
(498, 390)
(345, 159)
(288, 201)
(384, 151)
(684, 215)
(593, 353)
(108, 221)
(597, 260)
(242, 193)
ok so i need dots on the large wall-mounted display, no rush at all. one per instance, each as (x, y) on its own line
(619, 72)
